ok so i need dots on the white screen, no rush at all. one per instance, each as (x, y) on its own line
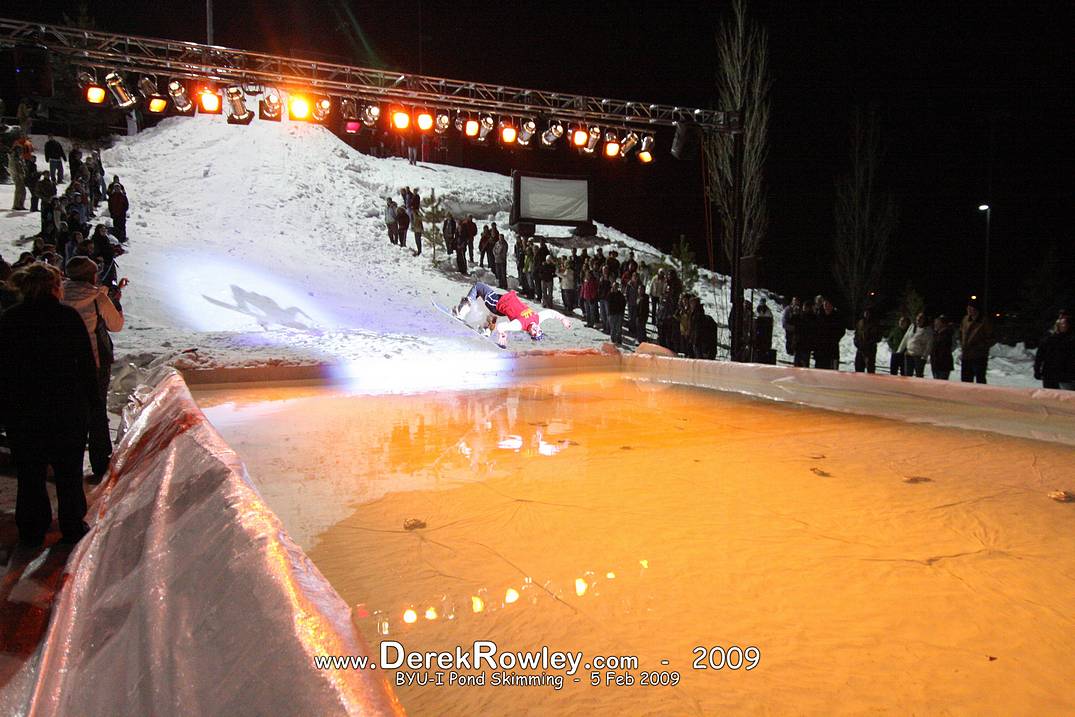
(559, 200)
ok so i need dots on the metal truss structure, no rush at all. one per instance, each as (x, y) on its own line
(223, 65)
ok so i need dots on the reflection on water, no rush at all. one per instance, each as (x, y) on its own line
(595, 514)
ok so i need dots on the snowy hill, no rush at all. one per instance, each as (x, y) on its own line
(266, 244)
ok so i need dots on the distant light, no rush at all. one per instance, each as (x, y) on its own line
(612, 145)
(470, 129)
(322, 108)
(400, 119)
(512, 595)
(180, 99)
(486, 127)
(209, 102)
(124, 98)
(553, 134)
(95, 94)
(526, 131)
(610, 575)
(157, 105)
(444, 121)
(352, 127)
(270, 107)
(508, 133)
(476, 604)
(579, 137)
(592, 139)
(645, 152)
(298, 108)
(973, 297)
(983, 207)
(431, 613)
(240, 113)
(410, 616)
(371, 115)
(581, 586)
(424, 121)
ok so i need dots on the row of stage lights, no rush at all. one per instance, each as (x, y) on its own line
(355, 115)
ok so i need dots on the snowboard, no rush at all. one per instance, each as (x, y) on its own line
(488, 337)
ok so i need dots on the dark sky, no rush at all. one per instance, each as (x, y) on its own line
(966, 91)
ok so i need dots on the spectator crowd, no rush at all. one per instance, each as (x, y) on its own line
(60, 301)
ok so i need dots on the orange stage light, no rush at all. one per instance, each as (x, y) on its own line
(400, 119)
(508, 134)
(210, 102)
(470, 129)
(425, 121)
(95, 94)
(157, 105)
(298, 108)
(579, 137)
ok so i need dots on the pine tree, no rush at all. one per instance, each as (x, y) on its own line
(685, 266)
(433, 215)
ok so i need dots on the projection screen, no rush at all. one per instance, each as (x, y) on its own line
(548, 199)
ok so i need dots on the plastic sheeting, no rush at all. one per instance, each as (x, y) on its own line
(187, 597)
(1041, 414)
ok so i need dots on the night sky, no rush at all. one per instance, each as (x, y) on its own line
(967, 91)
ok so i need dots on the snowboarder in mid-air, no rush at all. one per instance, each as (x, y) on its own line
(507, 313)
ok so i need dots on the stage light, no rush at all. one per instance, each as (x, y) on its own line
(553, 134)
(95, 94)
(486, 127)
(298, 108)
(526, 131)
(444, 121)
(579, 137)
(424, 121)
(124, 98)
(348, 109)
(157, 105)
(612, 145)
(508, 133)
(180, 98)
(352, 127)
(628, 143)
(471, 128)
(645, 151)
(371, 115)
(592, 138)
(209, 102)
(322, 108)
(239, 112)
(271, 106)
(400, 119)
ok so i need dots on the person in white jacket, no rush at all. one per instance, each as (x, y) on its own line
(656, 291)
(916, 345)
(96, 305)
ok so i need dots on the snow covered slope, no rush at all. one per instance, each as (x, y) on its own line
(265, 244)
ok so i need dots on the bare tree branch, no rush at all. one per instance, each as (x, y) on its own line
(865, 215)
(743, 58)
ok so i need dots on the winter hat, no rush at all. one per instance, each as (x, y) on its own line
(81, 268)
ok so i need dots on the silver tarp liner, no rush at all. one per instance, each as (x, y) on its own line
(188, 597)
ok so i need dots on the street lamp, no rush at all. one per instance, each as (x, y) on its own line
(985, 289)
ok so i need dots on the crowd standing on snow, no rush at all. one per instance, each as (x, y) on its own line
(60, 301)
(631, 301)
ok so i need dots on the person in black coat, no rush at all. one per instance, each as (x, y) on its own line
(48, 386)
(1054, 362)
(829, 331)
(617, 302)
(55, 157)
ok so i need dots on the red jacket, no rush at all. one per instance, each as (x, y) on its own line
(117, 203)
(512, 307)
